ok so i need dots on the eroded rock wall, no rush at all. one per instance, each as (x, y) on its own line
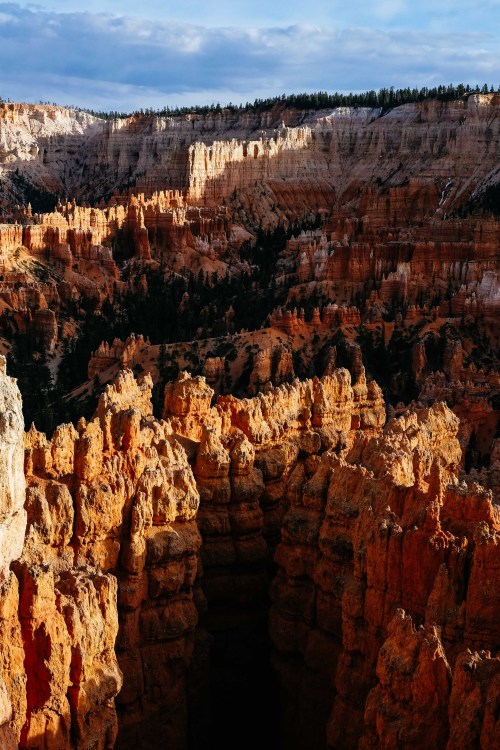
(211, 156)
(12, 532)
(148, 554)
(134, 501)
(379, 528)
(59, 616)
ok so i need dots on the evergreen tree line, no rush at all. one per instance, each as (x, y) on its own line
(385, 98)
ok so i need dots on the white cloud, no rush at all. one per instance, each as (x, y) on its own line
(386, 9)
(450, 15)
(120, 62)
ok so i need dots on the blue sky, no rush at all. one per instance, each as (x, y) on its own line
(124, 55)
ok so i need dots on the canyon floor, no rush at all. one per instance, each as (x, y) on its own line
(249, 428)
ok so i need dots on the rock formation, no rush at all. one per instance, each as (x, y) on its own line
(143, 537)
(393, 193)
(317, 545)
(207, 157)
(59, 671)
(271, 366)
(12, 487)
(12, 533)
(351, 554)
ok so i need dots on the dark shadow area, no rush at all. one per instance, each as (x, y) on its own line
(244, 693)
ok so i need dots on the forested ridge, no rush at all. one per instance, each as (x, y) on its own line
(385, 98)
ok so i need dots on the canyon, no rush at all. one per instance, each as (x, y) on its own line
(249, 492)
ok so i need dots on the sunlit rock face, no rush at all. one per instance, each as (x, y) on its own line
(146, 540)
(12, 533)
(210, 156)
(396, 193)
(387, 525)
(12, 481)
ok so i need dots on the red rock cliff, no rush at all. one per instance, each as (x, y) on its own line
(145, 537)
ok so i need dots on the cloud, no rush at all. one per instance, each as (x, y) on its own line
(106, 61)
(462, 14)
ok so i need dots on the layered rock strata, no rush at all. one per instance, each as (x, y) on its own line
(59, 670)
(134, 501)
(111, 552)
(148, 543)
(386, 525)
(208, 157)
(12, 533)
(393, 268)
(404, 235)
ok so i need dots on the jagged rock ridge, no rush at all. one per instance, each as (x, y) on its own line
(140, 530)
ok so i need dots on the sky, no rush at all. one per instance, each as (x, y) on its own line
(132, 54)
